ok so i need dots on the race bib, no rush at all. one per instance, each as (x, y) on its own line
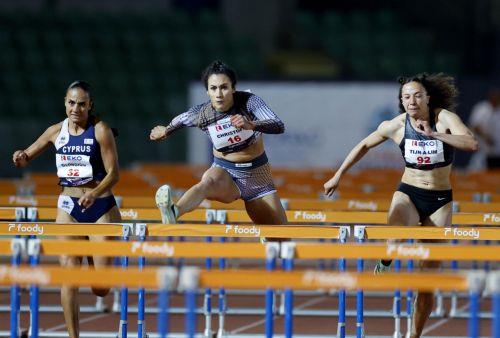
(73, 166)
(424, 151)
(224, 134)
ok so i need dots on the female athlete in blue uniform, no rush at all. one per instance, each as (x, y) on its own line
(87, 167)
(234, 121)
(427, 133)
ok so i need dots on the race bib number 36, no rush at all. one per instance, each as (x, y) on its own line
(73, 166)
(224, 134)
(424, 151)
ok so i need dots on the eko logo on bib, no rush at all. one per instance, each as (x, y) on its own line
(73, 165)
(424, 151)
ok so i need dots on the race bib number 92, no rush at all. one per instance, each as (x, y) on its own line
(424, 151)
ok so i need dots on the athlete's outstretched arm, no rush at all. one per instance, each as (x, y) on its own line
(267, 121)
(461, 137)
(186, 119)
(109, 155)
(22, 157)
(374, 139)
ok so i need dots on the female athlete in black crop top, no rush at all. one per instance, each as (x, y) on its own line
(427, 133)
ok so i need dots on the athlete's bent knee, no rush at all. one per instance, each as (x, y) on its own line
(208, 184)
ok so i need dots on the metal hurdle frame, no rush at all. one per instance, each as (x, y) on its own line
(474, 282)
(164, 278)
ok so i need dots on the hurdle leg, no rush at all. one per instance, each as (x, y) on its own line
(454, 297)
(122, 328)
(343, 234)
(163, 305)
(141, 321)
(409, 300)
(272, 252)
(222, 299)
(341, 323)
(287, 253)
(34, 254)
(207, 301)
(494, 288)
(190, 313)
(360, 329)
(15, 290)
(396, 308)
(359, 233)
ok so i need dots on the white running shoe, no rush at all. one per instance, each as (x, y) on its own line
(380, 268)
(165, 204)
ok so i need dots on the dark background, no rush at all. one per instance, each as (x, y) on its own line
(140, 56)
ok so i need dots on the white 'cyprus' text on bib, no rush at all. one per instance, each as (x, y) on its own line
(224, 134)
(73, 166)
(424, 151)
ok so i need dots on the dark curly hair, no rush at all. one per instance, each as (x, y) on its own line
(440, 87)
(218, 67)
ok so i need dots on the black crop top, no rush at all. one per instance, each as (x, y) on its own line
(422, 152)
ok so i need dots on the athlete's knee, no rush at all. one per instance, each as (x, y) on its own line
(208, 184)
(69, 261)
(101, 292)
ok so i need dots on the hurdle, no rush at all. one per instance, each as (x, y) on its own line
(251, 250)
(164, 279)
(472, 282)
(12, 213)
(389, 232)
(294, 216)
(54, 229)
(191, 278)
(193, 230)
(129, 203)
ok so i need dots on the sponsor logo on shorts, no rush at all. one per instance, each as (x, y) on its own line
(462, 233)
(129, 214)
(402, 250)
(34, 229)
(154, 249)
(491, 217)
(32, 276)
(243, 165)
(22, 200)
(370, 205)
(329, 280)
(309, 216)
(243, 230)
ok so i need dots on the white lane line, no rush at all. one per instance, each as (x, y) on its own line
(94, 317)
(262, 321)
(89, 319)
(442, 321)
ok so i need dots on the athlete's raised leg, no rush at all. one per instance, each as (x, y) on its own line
(216, 184)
